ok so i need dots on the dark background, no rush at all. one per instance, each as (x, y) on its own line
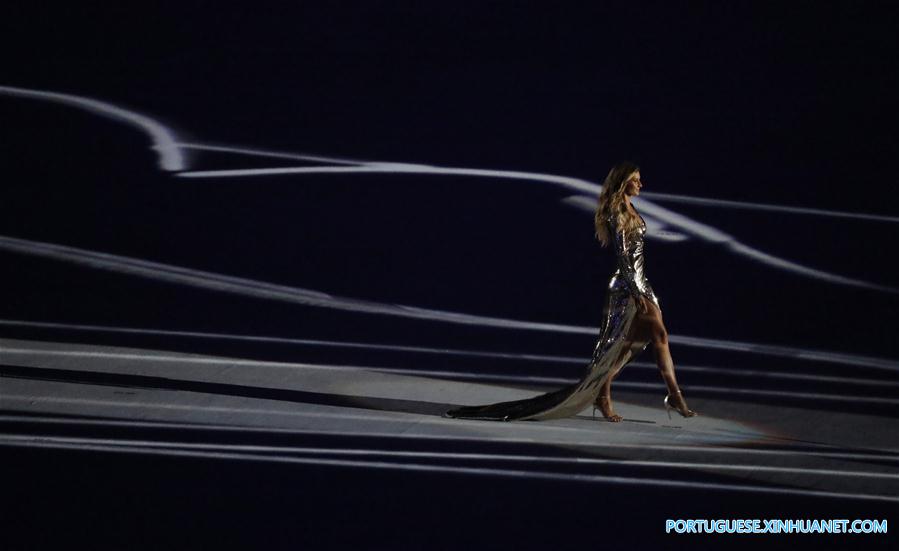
(789, 103)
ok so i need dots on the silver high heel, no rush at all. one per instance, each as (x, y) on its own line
(686, 412)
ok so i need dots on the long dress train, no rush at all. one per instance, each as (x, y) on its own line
(615, 347)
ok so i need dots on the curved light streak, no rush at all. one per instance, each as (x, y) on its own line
(172, 159)
(687, 225)
(164, 141)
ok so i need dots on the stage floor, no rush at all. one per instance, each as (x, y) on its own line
(101, 430)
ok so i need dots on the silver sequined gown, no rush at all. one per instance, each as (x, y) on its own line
(612, 352)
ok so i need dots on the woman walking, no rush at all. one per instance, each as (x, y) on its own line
(632, 319)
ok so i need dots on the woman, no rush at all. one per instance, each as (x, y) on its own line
(631, 320)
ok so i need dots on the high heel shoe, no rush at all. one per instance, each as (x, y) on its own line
(614, 418)
(684, 410)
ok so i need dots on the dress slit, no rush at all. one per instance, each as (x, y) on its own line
(615, 347)
(614, 350)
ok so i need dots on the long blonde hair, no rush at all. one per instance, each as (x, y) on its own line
(611, 204)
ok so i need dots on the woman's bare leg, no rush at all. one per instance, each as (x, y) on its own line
(666, 366)
(604, 400)
(651, 327)
(647, 327)
(638, 332)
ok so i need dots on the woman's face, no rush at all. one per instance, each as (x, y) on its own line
(633, 184)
